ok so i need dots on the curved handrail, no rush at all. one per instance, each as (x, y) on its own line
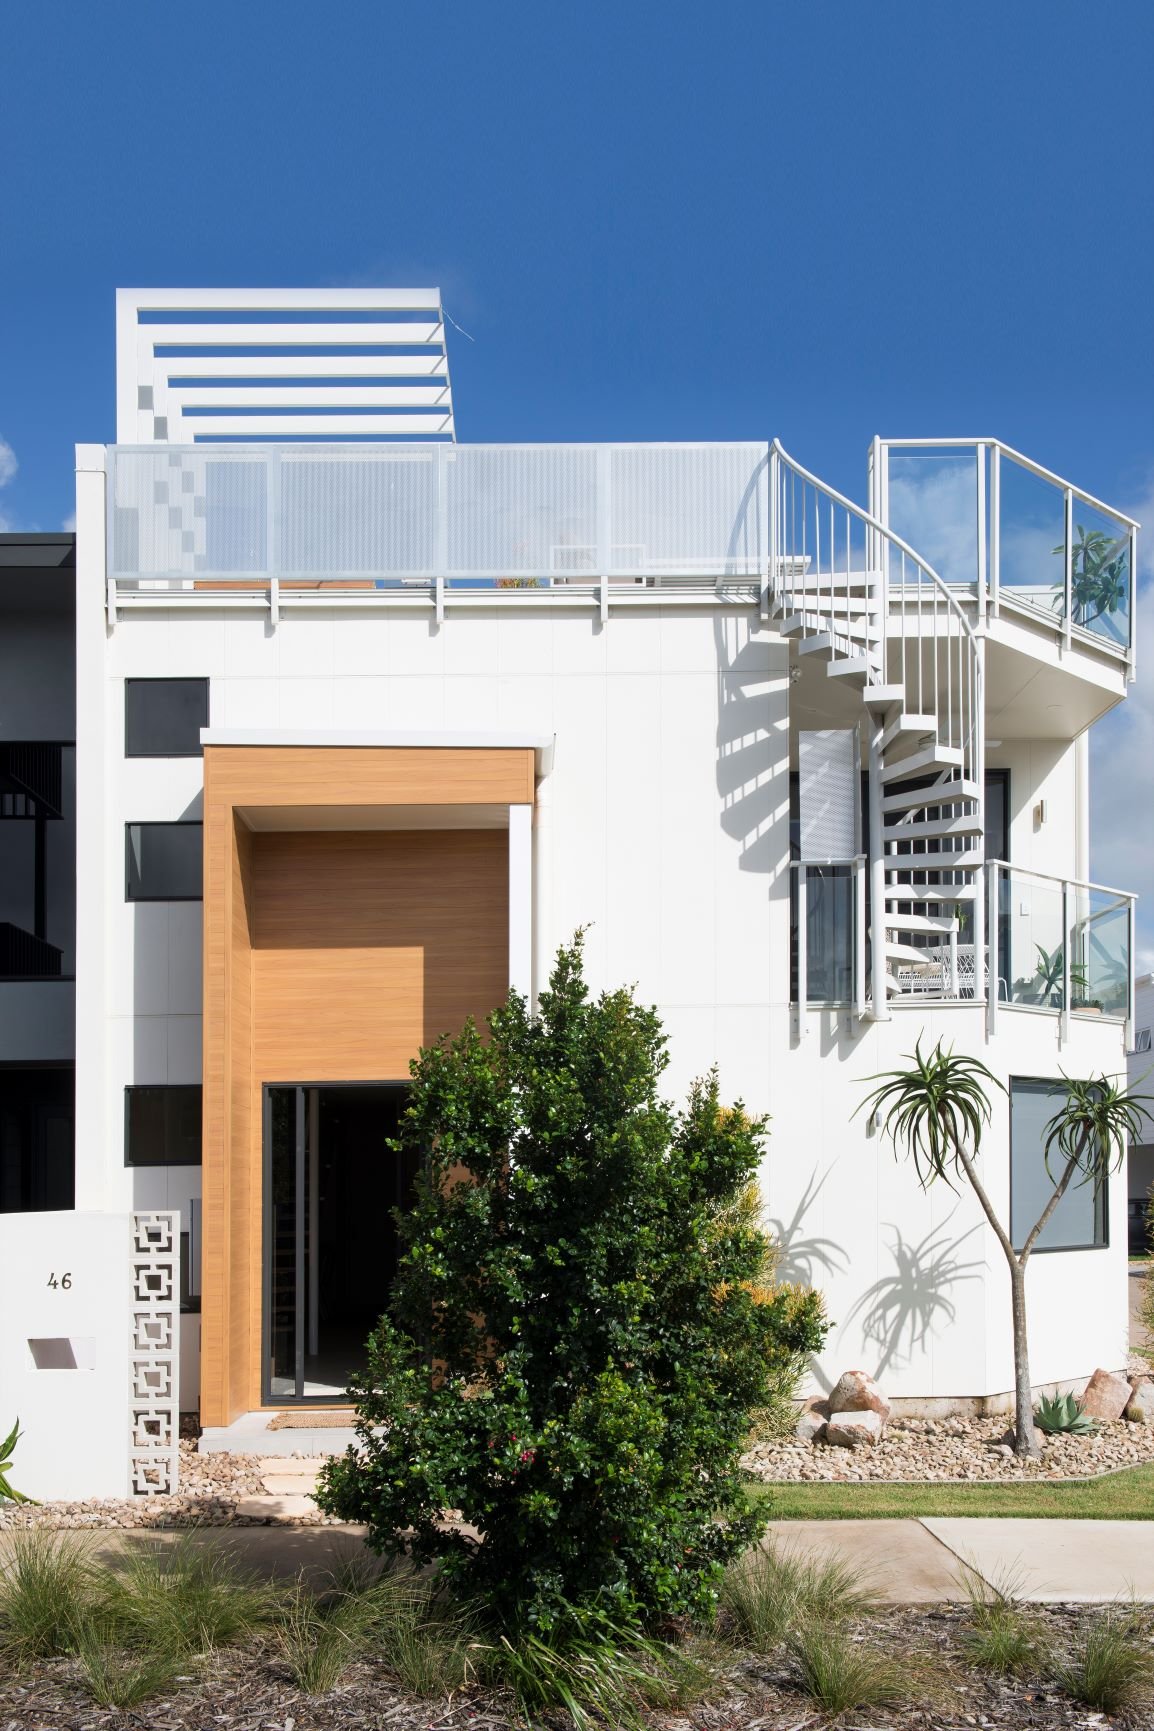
(878, 528)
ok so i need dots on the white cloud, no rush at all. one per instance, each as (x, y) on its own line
(1122, 762)
(8, 467)
(69, 523)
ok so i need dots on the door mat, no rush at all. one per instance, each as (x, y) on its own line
(302, 1419)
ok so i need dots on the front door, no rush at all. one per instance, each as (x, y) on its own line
(331, 1184)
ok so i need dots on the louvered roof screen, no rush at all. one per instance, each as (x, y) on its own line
(205, 365)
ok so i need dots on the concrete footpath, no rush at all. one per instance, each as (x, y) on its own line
(906, 1562)
(912, 1562)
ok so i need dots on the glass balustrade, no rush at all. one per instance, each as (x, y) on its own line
(1057, 936)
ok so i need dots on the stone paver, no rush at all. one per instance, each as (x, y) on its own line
(1051, 1560)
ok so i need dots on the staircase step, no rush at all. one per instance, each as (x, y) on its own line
(923, 762)
(940, 793)
(923, 828)
(930, 893)
(942, 923)
(906, 725)
(857, 667)
(933, 862)
(884, 696)
(907, 953)
(792, 624)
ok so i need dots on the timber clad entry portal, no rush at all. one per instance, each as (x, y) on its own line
(356, 906)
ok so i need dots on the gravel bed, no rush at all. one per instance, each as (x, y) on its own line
(248, 1690)
(210, 1486)
(949, 1450)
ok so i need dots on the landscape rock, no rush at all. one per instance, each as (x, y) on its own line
(858, 1392)
(1106, 1395)
(1140, 1406)
(851, 1430)
(811, 1426)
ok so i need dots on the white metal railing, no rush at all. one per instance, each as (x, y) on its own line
(1057, 944)
(216, 517)
(831, 961)
(992, 519)
(882, 603)
(884, 612)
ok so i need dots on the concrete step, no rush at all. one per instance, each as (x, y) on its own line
(290, 1506)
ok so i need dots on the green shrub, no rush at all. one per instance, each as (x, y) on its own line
(579, 1330)
(1108, 1666)
(772, 1591)
(46, 1588)
(113, 1674)
(841, 1672)
(185, 1597)
(1003, 1636)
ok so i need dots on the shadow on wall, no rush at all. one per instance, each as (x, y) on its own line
(752, 767)
(900, 1313)
(803, 1258)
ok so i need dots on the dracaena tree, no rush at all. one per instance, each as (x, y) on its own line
(935, 1113)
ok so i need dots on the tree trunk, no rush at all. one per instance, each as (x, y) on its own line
(1026, 1445)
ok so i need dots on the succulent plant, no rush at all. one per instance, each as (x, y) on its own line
(1062, 1413)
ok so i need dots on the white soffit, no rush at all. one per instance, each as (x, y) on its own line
(541, 744)
(335, 364)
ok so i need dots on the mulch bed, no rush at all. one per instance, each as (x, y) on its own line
(248, 1690)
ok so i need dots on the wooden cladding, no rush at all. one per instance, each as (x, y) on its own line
(329, 955)
(367, 946)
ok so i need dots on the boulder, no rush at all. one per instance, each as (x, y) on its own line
(853, 1430)
(1140, 1406)
(857, 1392)
(811, 1426)
(1106, 1395)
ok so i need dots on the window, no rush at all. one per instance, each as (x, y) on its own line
(162, 1126)
(1079, 1221)
(163, 717)
(164, 862)
(1142, 1040)
(37, 859)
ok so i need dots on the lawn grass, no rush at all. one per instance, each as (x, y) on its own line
(1123, 1496)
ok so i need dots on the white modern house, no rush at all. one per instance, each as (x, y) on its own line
(368, 720)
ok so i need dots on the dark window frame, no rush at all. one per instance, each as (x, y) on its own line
(132, 1088)
(173, 679)
(159, 823)
(1101, 1199)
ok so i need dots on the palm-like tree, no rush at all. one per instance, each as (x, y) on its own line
(936, 1111)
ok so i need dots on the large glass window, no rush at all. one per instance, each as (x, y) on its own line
(164, 862)
(163, 717)
(1079, 1220)
(37, 860)
(162, 1125)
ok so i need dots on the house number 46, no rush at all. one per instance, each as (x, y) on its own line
(64, 1282)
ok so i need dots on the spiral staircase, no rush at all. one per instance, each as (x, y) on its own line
(858, 598)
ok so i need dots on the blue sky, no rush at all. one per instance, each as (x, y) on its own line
(655, 220)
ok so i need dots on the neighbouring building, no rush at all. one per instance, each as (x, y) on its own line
(368, 720)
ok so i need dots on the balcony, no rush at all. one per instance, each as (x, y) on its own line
(1057, 946)
(293, 523)
(1021, 538)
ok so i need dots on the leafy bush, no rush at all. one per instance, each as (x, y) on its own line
(8, 1491)
(579, 1330)
(1061, 1414)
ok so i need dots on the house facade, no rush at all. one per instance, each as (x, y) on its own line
(369, 720)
